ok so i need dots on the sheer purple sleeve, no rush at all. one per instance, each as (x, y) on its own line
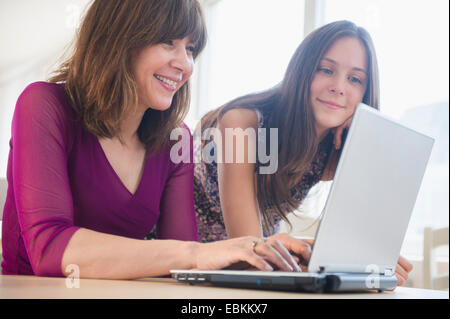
(41, 185)
(177, 219)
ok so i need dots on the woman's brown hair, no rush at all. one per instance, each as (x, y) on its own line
(99, 79)
(289, 110)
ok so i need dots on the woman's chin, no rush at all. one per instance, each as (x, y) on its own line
(160, 107)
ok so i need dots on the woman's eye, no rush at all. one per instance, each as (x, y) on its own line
(325, 70)
(191, 49)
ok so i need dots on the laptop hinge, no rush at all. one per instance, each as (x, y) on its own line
(388, 271)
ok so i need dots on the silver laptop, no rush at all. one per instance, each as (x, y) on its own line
(358, 241)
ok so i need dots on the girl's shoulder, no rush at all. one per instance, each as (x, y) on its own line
(240, 118)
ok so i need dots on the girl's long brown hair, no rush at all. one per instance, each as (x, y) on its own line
(99, 79)
(289, 108)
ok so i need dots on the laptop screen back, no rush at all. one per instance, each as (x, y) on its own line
(372, 197)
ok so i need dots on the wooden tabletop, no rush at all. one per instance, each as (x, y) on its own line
(25, 287)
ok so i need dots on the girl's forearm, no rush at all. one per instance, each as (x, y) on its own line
(105, 256)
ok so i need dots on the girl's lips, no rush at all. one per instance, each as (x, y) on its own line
(331, 105)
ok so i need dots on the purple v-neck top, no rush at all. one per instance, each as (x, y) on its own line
(60, 180)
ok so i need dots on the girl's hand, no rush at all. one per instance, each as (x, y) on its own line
(404, 267)
(337, 132)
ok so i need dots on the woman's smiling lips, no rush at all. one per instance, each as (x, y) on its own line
(169, 83)
(331, 105)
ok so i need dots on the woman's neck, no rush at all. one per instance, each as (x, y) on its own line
(129, 129)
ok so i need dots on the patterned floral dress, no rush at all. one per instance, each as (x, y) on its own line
(210, 222)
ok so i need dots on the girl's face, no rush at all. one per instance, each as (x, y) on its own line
(160, 70)
(339, 83)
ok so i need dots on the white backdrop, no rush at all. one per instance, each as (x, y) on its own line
(33, 37)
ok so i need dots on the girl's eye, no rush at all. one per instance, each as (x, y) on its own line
(354, 79)
(168, 42)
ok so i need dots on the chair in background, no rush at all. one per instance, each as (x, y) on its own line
(3, 190)
(434, 238)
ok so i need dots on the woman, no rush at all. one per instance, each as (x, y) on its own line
(331, 72)
(89, 170)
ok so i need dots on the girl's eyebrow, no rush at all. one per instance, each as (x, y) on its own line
(354, 68)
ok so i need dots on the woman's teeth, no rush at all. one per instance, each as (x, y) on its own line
(167, 81)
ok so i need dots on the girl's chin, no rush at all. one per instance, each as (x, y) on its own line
(330, 125)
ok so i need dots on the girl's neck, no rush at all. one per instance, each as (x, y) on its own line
(322, 133)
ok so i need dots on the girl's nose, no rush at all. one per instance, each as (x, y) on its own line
(337, 87)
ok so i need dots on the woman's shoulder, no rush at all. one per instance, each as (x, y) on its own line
(43, 89)
(44, 106)
(44, 99)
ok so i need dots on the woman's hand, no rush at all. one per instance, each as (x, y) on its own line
(299, 248)
(269, 254)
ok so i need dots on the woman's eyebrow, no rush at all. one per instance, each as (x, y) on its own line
(354, 68)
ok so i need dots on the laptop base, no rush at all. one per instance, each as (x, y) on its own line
(306, 282)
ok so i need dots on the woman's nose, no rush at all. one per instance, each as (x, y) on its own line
(182, 61)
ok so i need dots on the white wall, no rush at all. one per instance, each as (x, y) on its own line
(33, 37)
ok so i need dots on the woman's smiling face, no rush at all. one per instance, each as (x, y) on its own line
(339, 83)
(160, 70)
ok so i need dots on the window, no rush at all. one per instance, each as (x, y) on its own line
(249, 46)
